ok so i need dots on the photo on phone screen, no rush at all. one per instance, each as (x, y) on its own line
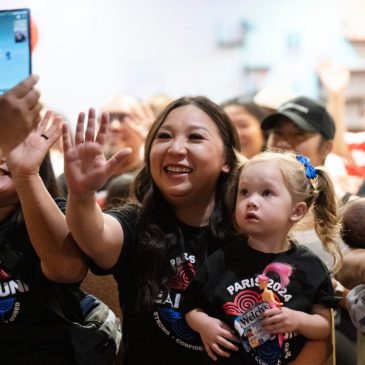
(15, 58)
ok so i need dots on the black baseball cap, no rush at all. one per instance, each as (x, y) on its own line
(306, 113)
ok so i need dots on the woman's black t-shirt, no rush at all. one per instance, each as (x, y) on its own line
(29, 330)
(161, 335)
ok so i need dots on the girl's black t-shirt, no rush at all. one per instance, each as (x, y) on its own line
(227, 288)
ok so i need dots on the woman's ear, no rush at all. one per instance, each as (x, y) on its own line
(226, 169)
(299, 211)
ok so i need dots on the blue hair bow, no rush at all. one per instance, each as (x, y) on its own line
(310, 171)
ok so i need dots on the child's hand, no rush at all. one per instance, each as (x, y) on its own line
(280, 320)
(216, 337)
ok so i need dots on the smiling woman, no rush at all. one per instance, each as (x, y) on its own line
(155, 246)
(187, 157)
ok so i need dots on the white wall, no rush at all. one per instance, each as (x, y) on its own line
(90, 50)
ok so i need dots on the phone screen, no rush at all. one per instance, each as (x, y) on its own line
(15, 58)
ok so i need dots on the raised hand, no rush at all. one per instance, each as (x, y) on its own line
(86, 168)
(335, 78)
(27, 157)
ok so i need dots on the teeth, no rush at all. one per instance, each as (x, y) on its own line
(178, 169)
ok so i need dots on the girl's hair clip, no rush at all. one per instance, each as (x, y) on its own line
(310, 171)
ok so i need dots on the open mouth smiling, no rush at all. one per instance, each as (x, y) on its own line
(172, 169)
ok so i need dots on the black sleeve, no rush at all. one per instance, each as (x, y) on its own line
(200, 291)
(315, 277)
(193, 296)
(128, 218)
(325, 294)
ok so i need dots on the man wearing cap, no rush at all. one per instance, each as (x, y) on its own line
(304, 126)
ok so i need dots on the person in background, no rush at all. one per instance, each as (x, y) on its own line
(347, 162)
(247, 116)
(155, 246)
(303, 125)
(352, 272)
(335, 80)
(274, 191)
(157, 103)
(19, 113)
(129, 123)
(352, 233)
(353, 220)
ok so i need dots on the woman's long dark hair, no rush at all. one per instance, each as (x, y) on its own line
(161, 237)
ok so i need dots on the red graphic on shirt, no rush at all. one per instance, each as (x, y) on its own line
(242, 302)
(186, 273)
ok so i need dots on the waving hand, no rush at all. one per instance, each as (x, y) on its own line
(27, 157)
(86, 168)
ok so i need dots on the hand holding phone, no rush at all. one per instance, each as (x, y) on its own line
(15, 57)
(19, 113)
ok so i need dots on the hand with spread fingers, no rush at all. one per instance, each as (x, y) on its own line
(86, 168)
(26, 158)
(19, 113)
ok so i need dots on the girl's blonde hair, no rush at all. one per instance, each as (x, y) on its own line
(318, 193)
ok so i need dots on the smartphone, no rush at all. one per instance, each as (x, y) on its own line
(15, 57)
